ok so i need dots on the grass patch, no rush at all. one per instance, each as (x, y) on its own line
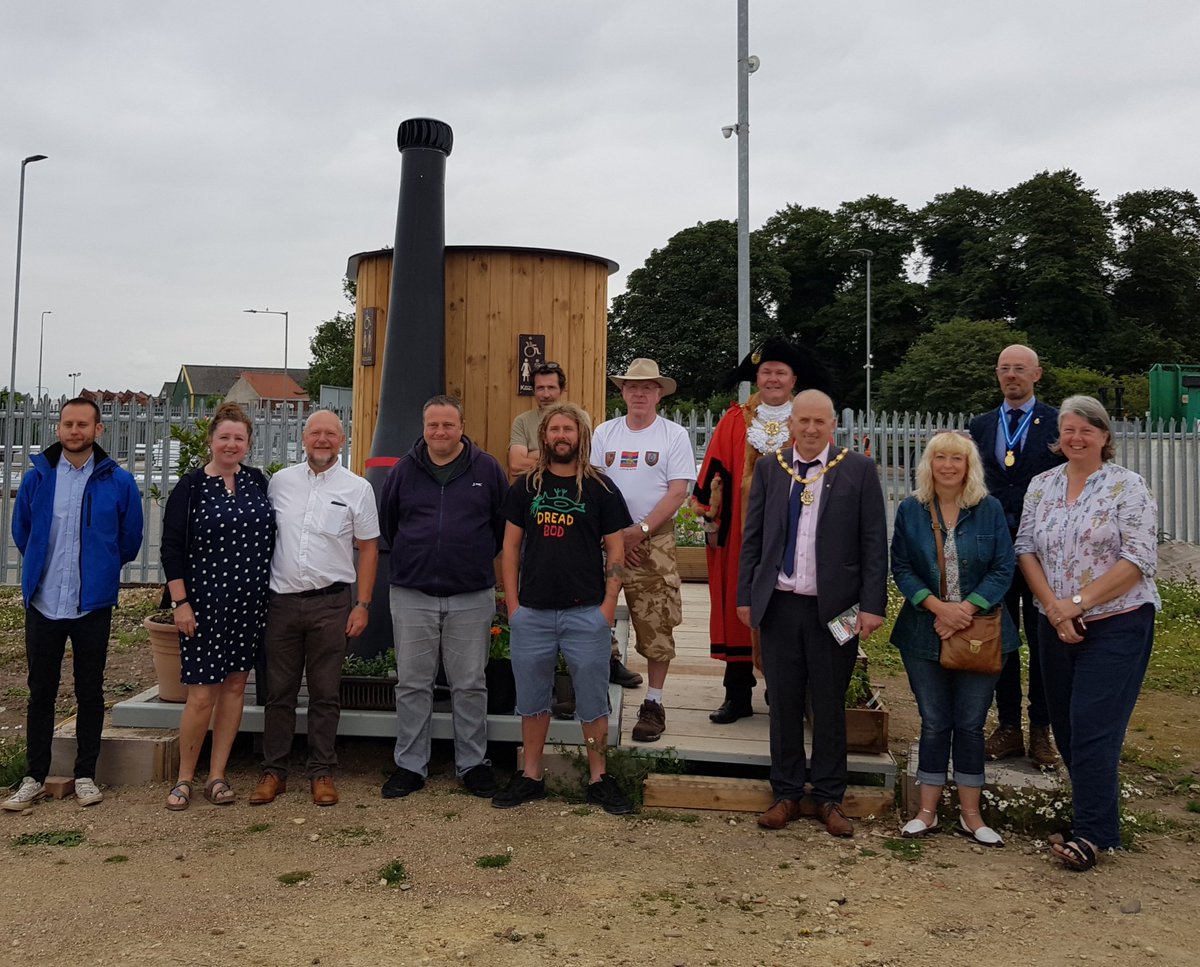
(296, 876)
(909, 850)
(662, 816)
(494, 861)
(12, 761)
(394, 873)
(1175, 660)
(628, 767)
(116, 858)
(50, 837)
(1193, 806)
(258, 827)
(582, 811)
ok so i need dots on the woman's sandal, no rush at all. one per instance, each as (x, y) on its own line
(1075, 854)
(182, 791)
(218, 792)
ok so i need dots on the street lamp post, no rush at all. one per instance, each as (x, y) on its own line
(868, 255)
(41, 343)
(277, 312)
(74, 376)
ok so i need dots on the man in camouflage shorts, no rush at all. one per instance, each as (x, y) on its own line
(651, 461)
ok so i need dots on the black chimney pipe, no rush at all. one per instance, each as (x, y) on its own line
(414, 352)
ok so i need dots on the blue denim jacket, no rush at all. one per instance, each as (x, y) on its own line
(986, 563)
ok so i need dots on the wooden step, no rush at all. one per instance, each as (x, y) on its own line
(751, 796)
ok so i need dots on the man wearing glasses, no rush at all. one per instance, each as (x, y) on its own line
(1014, 443)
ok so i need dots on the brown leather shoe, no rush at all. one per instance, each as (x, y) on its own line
(1041, 747)
(1006, 742)
(324, 792)
(269, 786)
(783, 812)
(836, 823)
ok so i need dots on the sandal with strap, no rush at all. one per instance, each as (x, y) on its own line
(218, 792)
(182, 791)
(1076, 854)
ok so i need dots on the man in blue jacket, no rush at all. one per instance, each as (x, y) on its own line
(78, 519)
(441, 512)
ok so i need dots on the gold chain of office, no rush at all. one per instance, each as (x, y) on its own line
(808, 496)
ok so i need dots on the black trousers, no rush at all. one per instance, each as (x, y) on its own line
(800, 656)
(45, 645)
(1023, 612)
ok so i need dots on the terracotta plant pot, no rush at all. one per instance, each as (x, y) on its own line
(164, 648)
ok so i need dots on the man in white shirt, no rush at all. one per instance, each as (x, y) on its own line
(652, 462)
(321, 511)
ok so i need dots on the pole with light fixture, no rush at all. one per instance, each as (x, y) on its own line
(74, 376)
(277, 312)
(868, 255)
(41, 343)
(747, 64)
(12, 377)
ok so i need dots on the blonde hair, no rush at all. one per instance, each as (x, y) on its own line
(952, 443)
(583, 464)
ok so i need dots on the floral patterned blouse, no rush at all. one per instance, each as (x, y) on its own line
(1115, 518)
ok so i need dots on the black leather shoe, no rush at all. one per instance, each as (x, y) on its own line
(618, 674)
(730, 712)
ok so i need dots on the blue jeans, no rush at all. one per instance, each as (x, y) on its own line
(584, 638)
(1091, 689)
(455, 629)
(954, 707)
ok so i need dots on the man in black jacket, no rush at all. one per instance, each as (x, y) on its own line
(440, 511)
(1014, 441)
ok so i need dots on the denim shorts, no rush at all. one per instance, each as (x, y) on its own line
(583, 637)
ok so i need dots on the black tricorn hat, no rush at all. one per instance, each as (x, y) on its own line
(810, 371)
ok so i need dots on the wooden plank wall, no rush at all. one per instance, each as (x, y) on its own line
(492, 296)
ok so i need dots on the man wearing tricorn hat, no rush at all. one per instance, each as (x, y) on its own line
(650, 460)
(745, 432)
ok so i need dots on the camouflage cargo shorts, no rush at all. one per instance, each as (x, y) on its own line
(652, 593)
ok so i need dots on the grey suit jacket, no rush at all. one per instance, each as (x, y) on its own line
(852, 556)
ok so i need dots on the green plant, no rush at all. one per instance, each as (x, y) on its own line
(50, 837)
(858, 693)
(12, 761)
(258, 827)
(377, 666)
(628, 767)
(908, 850)
(393, 874)
(689, 530)
(494, 861)
(116, 858)
(500, 635)
(193, 445)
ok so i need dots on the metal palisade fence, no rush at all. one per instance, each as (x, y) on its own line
(1165, 453)
(139, 438)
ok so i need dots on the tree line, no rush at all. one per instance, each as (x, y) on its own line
(1102, 290)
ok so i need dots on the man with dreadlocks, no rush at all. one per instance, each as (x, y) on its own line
(562, 519)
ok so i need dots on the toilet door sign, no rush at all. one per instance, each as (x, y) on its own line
(531, 353)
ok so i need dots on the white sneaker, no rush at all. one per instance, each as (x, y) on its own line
(86, 793)
(30, 792)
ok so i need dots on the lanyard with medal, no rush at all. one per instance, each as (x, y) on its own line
(1011, 440)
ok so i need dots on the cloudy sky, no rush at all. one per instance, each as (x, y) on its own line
(207, 158)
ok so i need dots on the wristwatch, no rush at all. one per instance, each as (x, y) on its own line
(363, 604)
(1077, 599)
(645, 527)
(176, 604)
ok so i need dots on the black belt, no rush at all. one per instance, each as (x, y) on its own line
(336, 588)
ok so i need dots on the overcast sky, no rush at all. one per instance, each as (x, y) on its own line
(207, 158)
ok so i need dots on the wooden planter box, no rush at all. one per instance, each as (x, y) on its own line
(367, 693)
(693, 564)
(866, 730)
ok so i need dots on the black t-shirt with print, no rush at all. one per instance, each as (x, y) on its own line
(562, 558)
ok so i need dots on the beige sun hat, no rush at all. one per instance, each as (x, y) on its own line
(646, 369)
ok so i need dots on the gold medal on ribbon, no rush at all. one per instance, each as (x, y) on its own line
(1009, 459)
(807, 497)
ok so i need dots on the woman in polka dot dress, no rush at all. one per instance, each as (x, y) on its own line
(218, 535)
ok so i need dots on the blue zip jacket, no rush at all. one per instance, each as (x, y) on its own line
(109, 537)
(444, 539)
(986, 563)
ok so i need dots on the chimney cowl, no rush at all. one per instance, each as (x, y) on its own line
(425, 133)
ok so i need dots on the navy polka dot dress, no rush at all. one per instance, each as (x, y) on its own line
(229, 564)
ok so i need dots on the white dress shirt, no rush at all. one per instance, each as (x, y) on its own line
(318, 516)
(803, 579)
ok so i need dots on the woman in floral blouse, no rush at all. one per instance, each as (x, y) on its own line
(1088, 548)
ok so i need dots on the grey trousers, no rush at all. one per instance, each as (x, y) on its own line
(306, 637)
(455, 629)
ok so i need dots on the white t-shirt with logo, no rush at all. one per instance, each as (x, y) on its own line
(643, 462)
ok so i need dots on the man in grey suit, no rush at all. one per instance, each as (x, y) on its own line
(815, 545)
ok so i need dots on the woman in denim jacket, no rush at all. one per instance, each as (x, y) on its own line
(979, 568)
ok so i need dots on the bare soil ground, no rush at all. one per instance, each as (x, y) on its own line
(580, 887)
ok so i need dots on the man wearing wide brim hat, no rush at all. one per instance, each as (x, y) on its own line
(651, 461)
(748, 430)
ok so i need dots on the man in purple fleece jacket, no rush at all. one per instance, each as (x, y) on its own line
(441, 512)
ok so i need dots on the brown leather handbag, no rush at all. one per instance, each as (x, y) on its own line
(977, 647)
